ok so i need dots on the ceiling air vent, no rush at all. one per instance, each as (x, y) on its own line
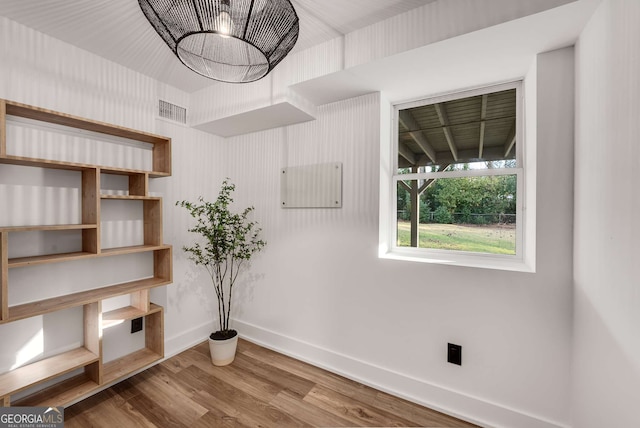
(172, 112)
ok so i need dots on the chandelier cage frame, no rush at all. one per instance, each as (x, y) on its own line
(233, 41)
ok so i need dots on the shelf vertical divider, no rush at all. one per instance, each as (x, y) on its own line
(152, 212)
(91, 209)
(4, 275)
(3, 128)
(140, 300)
(154, 332)
(162, 156)
(163, 264)
(139, 184)
(93, 339)
(5, 401)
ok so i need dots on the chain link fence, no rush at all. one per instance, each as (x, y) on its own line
(461, 218)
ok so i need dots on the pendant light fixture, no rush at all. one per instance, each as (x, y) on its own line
(234, 41)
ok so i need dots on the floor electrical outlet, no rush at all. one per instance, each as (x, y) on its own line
(454, 354)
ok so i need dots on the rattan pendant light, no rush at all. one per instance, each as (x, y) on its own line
(235, 41)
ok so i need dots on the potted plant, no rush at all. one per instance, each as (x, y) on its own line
(229, 239)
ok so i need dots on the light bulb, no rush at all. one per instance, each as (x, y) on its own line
(224, 24)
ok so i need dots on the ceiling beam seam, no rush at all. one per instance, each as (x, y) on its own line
(483, 124)
(444, 121)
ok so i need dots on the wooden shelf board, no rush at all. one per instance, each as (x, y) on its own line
(43, 370)
(123, 171)
(157, 174)
(49, 227)
(66, 257)
(133, 249)
(37, 113)
(61, 393)
(55, 164)
(121, 367)
(44, 163)
(82, 298)
(127, 313)
(49, 258)
(131, 197)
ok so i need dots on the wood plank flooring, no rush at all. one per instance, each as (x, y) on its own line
(260, 389)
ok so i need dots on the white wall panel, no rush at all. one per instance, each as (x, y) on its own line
(607, 261)
(316, 61)
(226, 99)
(198, 169)
(42, 71)
(433, 22)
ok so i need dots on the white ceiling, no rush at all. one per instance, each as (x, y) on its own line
(118, 31)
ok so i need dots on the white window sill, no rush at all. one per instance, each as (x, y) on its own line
(459, 258)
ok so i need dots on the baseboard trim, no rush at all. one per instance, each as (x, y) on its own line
(476, 410)
(186, 339)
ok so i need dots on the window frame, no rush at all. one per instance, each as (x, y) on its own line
(390, 177)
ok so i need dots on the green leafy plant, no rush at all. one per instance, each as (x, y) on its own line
(229, 240)
(442, 215)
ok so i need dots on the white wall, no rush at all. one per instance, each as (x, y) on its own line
(321, 293)
(607, 202)
(42, 71)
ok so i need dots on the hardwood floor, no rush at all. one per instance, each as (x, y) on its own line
(261, 388)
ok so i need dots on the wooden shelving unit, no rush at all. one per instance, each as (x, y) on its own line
(88, 359)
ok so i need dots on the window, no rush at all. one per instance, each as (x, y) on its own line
(457, 180)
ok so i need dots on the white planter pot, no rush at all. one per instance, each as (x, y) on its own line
(223, 351)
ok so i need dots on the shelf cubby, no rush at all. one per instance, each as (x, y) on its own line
(127, 313)
(41, 307)
(41, 371)
(89, 239)
(161, 145)
(154, 343)
(137, 184)
(121, 367)
(60, 394)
